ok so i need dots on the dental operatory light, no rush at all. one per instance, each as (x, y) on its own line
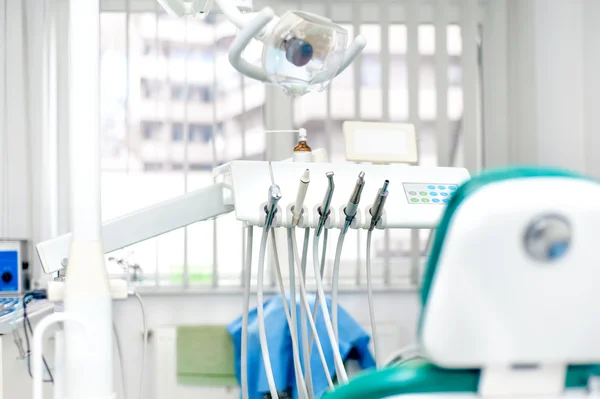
(302, 52)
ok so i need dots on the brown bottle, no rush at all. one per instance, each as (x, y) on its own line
(302, 152)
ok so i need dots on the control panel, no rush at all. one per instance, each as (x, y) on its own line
(429, 193)
(10, 267)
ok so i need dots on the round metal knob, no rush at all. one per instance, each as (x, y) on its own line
(7, 277)
(548, 238)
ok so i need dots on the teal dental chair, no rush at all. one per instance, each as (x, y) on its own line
(511, 294)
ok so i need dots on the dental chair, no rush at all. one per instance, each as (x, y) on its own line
(510, 296)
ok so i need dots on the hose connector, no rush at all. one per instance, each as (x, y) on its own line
(376, 210)
(272, 201)
(300, 197)
(324, 208)
(352, 207)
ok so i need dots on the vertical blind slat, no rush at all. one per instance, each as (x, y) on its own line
(385, 103)
(441, 83)
(215, 97)
(127, 81)
(356, 22)
(471, 134)
(156, 106)
(186, 142)
(3, 121)
(412, 58)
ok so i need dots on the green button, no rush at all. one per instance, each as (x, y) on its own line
(414, 200)
(425, 200)
(423, 193)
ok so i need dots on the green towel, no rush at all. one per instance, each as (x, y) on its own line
(205, 356)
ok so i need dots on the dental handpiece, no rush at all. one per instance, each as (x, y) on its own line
(302, 189)
(272, 201)
(352, 206)
(324, 208)
(376, 210)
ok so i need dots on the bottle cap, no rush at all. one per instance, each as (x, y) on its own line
(302, 135)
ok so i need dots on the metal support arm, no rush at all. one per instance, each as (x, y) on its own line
(203, 204)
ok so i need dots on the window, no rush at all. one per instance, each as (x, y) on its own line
(150, 88)
(200, 133)
(177, 132)
(178, 92)
(145, 157)
(186, 83)
(151, 130)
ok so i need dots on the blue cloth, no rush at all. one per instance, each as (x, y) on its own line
(353, 341)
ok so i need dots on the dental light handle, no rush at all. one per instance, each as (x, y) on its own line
(242, 40)
(300, 197)
(37, 355)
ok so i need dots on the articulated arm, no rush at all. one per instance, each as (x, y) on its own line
(141, 225)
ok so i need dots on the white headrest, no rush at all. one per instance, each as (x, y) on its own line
(491, 301)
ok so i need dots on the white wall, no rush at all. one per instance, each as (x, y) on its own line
(541, 86)
(396, 314)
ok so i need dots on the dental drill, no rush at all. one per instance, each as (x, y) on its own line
(350, 211)
(376, 212)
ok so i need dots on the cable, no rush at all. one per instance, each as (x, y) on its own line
(339, 363)
(315, 311)
(370, 295)
(291, 317)
(335, 283)
(261, 317)
(350, 211)
(145, 326)
(27, 324)
(376, 212)
(306, 307)
(247, 283)
(306, 353)
(120, 353)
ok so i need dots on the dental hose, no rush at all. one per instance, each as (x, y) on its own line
(315, 310)
(290, 315)
(376, 212)
(370, 297)
(261, 316)
(305, 309)
(337, 357)
(247, 283)
(306, 352)
(335, 283)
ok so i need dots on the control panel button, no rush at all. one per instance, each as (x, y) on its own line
(442, 187)
(444, 194)
(414, 200)
(437, 201)
(7, 277)
(452, 188)
(423, 193)
(425, 200)
(431, 187)
(433, 194)
(412, 193)
(446, 201)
